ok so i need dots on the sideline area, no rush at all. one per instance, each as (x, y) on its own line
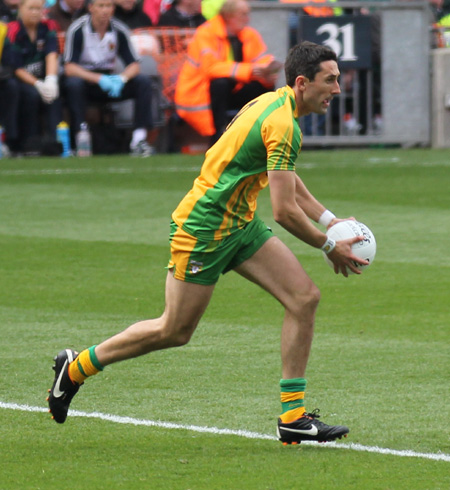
(117, 419)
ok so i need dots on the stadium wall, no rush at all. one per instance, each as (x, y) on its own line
(405, 67)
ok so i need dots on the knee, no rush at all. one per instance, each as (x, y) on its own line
(181, 338)
(175, 336)
(142, 83)
(306, 301)
(74, 84)
(30, 96)
(11, 89)
(312, 297)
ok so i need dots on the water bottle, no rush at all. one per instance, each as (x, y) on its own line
(84, 142)
(1, 142)
(63, 136)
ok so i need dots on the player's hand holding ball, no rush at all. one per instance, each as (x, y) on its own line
(355, 247)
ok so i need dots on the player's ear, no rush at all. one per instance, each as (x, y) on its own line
(301, 82)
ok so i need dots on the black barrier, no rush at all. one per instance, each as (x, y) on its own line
(348, 36)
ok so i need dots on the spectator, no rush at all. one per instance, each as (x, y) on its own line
(131, 14)
(227, 66)
(31, 50)
(93, 44)
(183, 13)
(153, 9)
(64, 12)
(8, 10)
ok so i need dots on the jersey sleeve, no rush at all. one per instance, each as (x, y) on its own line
(73, 45)
(51, 39)
(12, 52)
(282, 138)
(126, 50)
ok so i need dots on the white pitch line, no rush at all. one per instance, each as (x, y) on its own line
(103, 171)
(228, 432)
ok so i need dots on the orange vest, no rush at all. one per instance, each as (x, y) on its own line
(313, 11)
(210, 56)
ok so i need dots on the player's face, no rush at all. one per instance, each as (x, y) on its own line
(101, 11)
(318, 93)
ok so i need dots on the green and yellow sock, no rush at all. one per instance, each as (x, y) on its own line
(292, 399)
(85, 365)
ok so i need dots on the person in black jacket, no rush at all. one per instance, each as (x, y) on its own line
(131, 14)
(183, 13)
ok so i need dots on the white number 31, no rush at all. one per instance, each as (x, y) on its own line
(345, 49)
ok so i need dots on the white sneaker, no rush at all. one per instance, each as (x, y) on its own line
(142, 149)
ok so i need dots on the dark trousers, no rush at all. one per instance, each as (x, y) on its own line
(9, 107)
(225, 99)
(22, 111)
(78, 92)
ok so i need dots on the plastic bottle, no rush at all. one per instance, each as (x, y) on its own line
(84, 141)
(63, 136)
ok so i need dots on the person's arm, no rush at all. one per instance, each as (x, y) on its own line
(310, 205)
(284, 191)
(287, 211)
(72, 69)
(130, 71)
(51, 64)
(24, 76)
(72, 54)
(313, 208)
(128, 55)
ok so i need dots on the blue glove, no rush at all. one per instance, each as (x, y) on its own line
(117, 86)
(106, 83)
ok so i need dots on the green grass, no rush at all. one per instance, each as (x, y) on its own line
(84, 243)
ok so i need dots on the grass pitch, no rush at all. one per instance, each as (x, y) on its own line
(84, 244)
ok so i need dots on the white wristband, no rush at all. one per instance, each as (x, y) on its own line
(326, 218)
(328, 246)
(123, 78)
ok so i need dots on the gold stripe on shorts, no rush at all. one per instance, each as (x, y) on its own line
(181, 247)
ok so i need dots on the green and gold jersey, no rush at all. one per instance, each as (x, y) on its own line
(264, 135)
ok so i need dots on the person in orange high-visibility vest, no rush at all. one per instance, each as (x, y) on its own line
(315, 11)
(227, 66)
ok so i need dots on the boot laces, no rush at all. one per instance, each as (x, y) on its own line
(314, 414)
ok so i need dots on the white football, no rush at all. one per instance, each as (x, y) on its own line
(365, 249)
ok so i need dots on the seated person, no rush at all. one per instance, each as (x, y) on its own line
(131, 14)
(226, 67)
(183, 13)
(93, 44)
(64, 12)
(31, 50)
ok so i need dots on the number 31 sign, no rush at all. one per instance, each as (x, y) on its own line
(348, 36)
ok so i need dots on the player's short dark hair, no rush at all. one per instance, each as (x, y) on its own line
(304, 59)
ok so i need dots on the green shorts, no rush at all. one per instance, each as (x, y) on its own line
(202, 262)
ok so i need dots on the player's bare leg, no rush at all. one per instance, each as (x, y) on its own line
(275, 268)
(185, 304)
